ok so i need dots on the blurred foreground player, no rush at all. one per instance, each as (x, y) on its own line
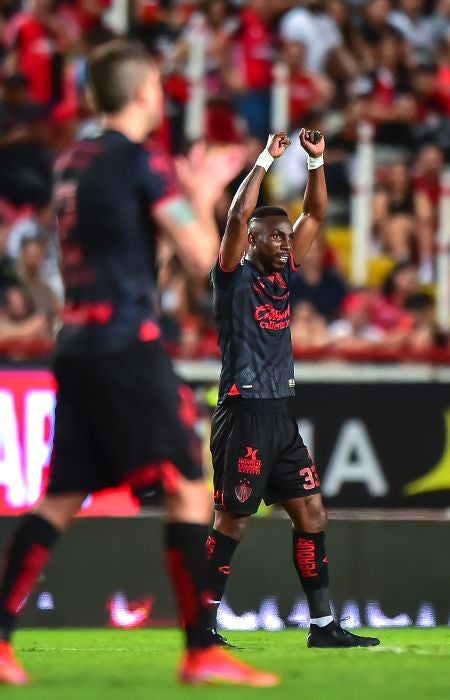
(256, 448)
(118, 415)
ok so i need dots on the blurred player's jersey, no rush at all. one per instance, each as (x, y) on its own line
(105, 189)
(252, 314)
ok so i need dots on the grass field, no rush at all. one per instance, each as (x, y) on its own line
(139, 664)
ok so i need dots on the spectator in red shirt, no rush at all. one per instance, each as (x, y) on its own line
(253, 54)
(427, 187)
(307, 91)
(35, 39)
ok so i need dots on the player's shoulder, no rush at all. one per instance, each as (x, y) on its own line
(158, 158)
(221, 276)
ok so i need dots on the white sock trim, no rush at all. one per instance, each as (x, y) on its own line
(321, 621)
(265, 160)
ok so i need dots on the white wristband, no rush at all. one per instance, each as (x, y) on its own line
(314, 163)
(265, 160)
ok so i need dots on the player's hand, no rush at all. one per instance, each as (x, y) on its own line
(312, 141)
(206, 171)
(278, 143)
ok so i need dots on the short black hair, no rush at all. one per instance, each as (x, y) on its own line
(263, 212)
(115, 72)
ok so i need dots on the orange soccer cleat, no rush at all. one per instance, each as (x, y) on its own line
(216, 666)
(11, 672)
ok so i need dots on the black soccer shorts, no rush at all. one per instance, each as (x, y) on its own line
(257, 454)
(122, 418)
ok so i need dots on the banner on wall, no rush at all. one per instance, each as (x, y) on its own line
(110, 572)
(27, 403)
(376, 445)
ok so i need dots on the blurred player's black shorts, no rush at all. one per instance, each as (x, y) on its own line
(122, 419)
(258, 454)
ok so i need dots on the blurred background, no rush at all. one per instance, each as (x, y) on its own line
(370, 305)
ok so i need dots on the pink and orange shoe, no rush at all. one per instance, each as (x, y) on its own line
(11, 672)
(216, 666)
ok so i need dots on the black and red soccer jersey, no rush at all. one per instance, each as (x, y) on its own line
(252, 314)
(105, 190)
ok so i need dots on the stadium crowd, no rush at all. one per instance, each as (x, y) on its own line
(385, 62)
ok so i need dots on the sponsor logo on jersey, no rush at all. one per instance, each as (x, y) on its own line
(271, 319)
(250, 464)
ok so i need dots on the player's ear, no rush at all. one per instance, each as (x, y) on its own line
(251, 239)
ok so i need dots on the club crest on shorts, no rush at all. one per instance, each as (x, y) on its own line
(243, 492)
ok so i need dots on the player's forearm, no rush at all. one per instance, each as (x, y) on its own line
(246, 198)
(316, 197)
(207, 238)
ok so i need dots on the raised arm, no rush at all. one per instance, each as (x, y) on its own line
(315, 200)
(188, 221)
(235, 240)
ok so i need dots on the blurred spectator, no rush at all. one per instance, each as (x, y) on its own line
(318, 284)
(25, 155)
(385, 92)
(410, 20)
(39, 224)
(402, 219)
(30, 268)
(325, 51)
(389, 308)
(427, 189)
(307, 91)
(424, 335)
(373, 24)
(8, 272)
(35, 39)
(20, 325)
(308, 330)
(355, 330)
(251, 76)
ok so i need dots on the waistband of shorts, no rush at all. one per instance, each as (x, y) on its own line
(258, 405)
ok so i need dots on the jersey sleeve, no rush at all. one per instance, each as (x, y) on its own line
(222, 278)
(290, 268)
(160, 180)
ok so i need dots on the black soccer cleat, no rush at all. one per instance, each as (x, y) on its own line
(220, 641)
(335, 636)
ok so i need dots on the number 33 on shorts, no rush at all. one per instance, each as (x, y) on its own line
(310, 477)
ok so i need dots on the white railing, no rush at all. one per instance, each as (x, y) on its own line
(361, 203)
(443, 254)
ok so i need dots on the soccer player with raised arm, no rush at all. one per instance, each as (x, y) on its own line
(119, 416)
(256, 448)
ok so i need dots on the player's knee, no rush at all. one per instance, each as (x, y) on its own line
(231, 526)
(317, 517)
(189, 501)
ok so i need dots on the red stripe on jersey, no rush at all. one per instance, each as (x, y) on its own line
(84, 314)
(149, 331)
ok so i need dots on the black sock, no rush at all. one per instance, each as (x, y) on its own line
(219, 551)
(29, 553)
(186, 561)
(311, 563)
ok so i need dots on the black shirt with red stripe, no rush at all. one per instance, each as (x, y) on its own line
(253, 318)
(105, 189)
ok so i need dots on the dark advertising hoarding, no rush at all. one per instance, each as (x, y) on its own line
(379, 445)
(110, 572)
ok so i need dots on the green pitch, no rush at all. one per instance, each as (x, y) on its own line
(139, 665)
